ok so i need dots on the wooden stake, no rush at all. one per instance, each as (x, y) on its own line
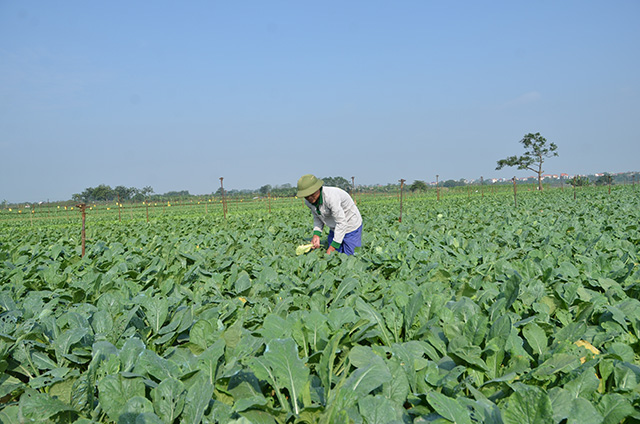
(83, 209)
(224, 202)
(401, 190)
(353, 189)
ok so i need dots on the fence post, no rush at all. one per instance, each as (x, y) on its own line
(401, 191)
(83, 209)
(515, 199)
(224, 202)
(437, 189)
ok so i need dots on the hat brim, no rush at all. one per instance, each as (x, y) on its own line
(310, 190)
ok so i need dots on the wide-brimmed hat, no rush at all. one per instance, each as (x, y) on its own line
(308, 184)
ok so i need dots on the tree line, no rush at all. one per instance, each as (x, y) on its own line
(104, 192)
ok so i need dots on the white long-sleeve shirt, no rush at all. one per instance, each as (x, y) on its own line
(335, 209)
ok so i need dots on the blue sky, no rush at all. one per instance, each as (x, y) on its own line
(174, 95)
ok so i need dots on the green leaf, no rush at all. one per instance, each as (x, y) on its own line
(10, 415)
(275, 327)
(372, 372)
(64, 341)
(528, 405)
(316, 325)
(614, 408)
(202, 333)
(130, 353)
(138, 418)
(8, 384)
(347, 286)
(41, 406)
(583, 412)
(561, 403)
(560, 362)
(160, 368)
(461, 348)
(512, 289)
(169, 399)
(114, 391)
(567, 271)
(102, 322)
(624, 351)
(341, 316)
(575, 410)
(281, 363)
(398, 388)
(197, 400)
(243, 282)
(411, 310)
(255, 417)
(584, 385)
(500, 329)
(380, 410)
(448, 408)
(327, 359)
(369, 313)
(208, 360)
(156, 310)
(536, 337)
(137, 405)
(63, 390)
(247, 395)
(626, 376)
(83, 392)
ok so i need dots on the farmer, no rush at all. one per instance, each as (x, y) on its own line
(333, 207)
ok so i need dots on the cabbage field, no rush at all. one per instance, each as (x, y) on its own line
(470, 310)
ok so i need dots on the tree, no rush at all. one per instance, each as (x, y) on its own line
(451, 183)
(265, 189)
(605, 179)
(124, 193)
(536, 150)
(102, 192)
(418, 185)
(578, 181)
(339, 182)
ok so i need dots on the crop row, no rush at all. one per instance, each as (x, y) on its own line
(467, 311)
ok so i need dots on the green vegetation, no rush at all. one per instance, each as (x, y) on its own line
(470, 310)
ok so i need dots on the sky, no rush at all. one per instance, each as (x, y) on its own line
(175, 95)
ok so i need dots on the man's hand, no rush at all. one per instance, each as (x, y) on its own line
(315, 240)
(330, 249)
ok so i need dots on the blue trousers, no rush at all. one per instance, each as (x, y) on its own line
(350, 242)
